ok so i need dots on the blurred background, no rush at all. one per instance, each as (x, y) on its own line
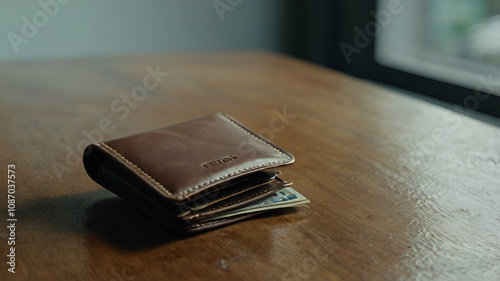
(445, 51)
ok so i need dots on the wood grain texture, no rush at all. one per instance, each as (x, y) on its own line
(399, 189)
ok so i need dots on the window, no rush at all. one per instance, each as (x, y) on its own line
(454, 41)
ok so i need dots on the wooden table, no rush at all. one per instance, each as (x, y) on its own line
(400, 189)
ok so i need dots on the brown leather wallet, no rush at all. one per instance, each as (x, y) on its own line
(185, 173)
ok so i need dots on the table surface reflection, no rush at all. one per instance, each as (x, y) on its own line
(400, 189)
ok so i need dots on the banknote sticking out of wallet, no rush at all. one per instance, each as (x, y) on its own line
(196, 175)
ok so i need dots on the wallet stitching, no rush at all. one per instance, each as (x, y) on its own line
(219, 221)
(255, 136)
(190, 190)
(208, 223)
(135, 167)
(246, 169)
(229, 175)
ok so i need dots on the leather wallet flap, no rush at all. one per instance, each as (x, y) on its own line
(185, 160)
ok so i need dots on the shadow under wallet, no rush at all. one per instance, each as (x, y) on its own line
(127, 227)
(119, 222)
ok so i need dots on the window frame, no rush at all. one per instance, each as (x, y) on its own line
(349, 16)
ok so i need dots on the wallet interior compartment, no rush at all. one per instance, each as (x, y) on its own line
(238, 200)
(228, 189)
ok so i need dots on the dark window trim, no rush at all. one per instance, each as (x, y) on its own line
(364, 65)
(315, 29)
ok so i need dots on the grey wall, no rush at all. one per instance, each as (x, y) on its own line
(97, 28)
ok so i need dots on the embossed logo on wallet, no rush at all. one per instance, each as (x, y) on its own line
(219, 162)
